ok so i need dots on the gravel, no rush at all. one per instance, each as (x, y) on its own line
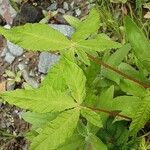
(46, 60)
(14, 49)
(52, 7)
(65, 6)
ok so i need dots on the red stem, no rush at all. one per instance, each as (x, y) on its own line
(99, 62)
(111, 113)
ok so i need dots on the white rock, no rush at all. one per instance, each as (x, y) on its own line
(78, 12)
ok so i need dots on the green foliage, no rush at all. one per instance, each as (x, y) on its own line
(36, 37)
(141, 116)
(139, 42)
(72, 107)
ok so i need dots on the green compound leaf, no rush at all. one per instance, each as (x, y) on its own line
(99, 44)
(115, 60)
(83, 56)
(75, 80)
(55, 77)
(141, 115)
(138, 41)
(92, 117)
(38, 120)
(36, 36)
(40, 100)
(74, 22)
(95, 143)
(131, 88)
(87, 27)
(57, 131)
(73, 143)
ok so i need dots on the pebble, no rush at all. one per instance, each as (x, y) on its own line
(64, 29)
(10, 86)
(9, 57)
(78, 12)
(60, 10)
(72, 4)
(14, 49)
(31, 81)
(5, 50)
(46, 60)
(5, 6)
(65, 6)
(52, 7)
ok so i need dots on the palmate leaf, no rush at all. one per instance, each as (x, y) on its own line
(115, 60)
(38, 120)
(41, 100)
(92, 117)
(36, 37)
(99, 44)
(73, 143)
(74, 22)
(141, 115)
(131, 88)
(95, 143)
(75, 80)
(55, 77)
(87, 27)
(83, 56)
(126, 104)
(57, 131)
(139, 42)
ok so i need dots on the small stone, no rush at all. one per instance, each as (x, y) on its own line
(72, 4)
(52, 7)
(64, 29)
(46, 60)
(31, 81)
(14, 49)
(65, 6)
(5, 50)
(21, 66)
(60, 10)
(10, 86)
(9, 57)
(78, 12)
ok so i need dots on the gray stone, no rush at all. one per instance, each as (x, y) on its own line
(60, 10)
(52, 7)
(14, 49)
(9, 57)
(72, 4)
(21, 66)
(65, 6)
(31, 81)
(64, 29)
(46, 60)
(78, 12)
(5, 50)
(10, 86)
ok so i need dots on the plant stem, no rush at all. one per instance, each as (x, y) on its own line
(111, 113)
(99, 62)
